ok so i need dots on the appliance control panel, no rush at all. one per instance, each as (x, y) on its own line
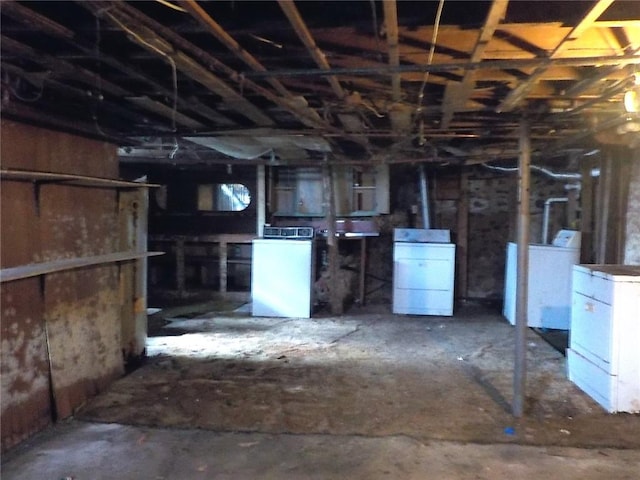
(567, 239)
(288, 233)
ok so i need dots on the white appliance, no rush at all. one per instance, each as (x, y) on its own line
(282, 277)
(549, 281)
(423, 272)
(603, 357)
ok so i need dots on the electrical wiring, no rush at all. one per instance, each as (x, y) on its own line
(434, 37)
(171, 61)
(171, 5)
(19, 96)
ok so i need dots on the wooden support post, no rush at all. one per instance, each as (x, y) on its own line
(603, 208)
(180, 267)
(224, 254)
(335, 299)
(462, 239)
(586, 214)
(524, 172)
(363, 269)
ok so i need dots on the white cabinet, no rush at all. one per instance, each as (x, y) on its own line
(549, 285)
(423, 278)
(603, 358)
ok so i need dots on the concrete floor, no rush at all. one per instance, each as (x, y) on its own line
(364, 395)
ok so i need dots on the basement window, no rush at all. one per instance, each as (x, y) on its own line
(223, 197)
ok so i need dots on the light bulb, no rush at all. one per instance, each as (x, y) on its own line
(632, 101)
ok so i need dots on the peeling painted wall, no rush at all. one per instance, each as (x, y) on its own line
(61, 332)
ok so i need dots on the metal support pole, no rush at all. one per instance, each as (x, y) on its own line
(524, 174)
(261, 206)
(424, 198)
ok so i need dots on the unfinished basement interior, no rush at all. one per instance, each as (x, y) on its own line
(320, 239)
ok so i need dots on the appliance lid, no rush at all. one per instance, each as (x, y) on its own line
(421, 235)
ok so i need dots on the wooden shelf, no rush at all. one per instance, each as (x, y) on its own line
(70, 179)
(37, 269)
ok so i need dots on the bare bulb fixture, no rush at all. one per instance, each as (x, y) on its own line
(632, 96)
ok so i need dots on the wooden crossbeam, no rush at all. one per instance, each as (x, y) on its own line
(519, 93)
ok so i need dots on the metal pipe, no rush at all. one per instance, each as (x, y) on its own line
(557, 176)
(424, 198)
(545, 216)
(522, 284)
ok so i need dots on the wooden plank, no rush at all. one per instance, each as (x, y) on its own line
(70, 179)
(290, 10)
(37, 269)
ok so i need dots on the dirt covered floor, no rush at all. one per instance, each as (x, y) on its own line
(367, 373)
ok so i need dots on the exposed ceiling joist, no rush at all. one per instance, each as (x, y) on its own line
(391, 30)
(213, 27)
(298, 24)
(457, 94)
(518, 94)
(518, 64)
(154, 43)
(27, 16)
(139, 70)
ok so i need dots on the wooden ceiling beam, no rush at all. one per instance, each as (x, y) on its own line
(77, 95)
(202, 17)
(34, 20)
(290, 10)
(28, 17)
(61, 68)
(150, 40)
(519, 93)
(304, 114)
(391, 29)
(457, 94)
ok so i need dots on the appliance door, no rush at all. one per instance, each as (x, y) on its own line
(423, 278)
(281, 278)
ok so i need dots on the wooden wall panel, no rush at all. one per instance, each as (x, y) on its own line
(61, 333)
(24, 374)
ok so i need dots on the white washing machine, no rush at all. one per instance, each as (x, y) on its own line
(423, 272)
(282, 274)
(549, 289)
